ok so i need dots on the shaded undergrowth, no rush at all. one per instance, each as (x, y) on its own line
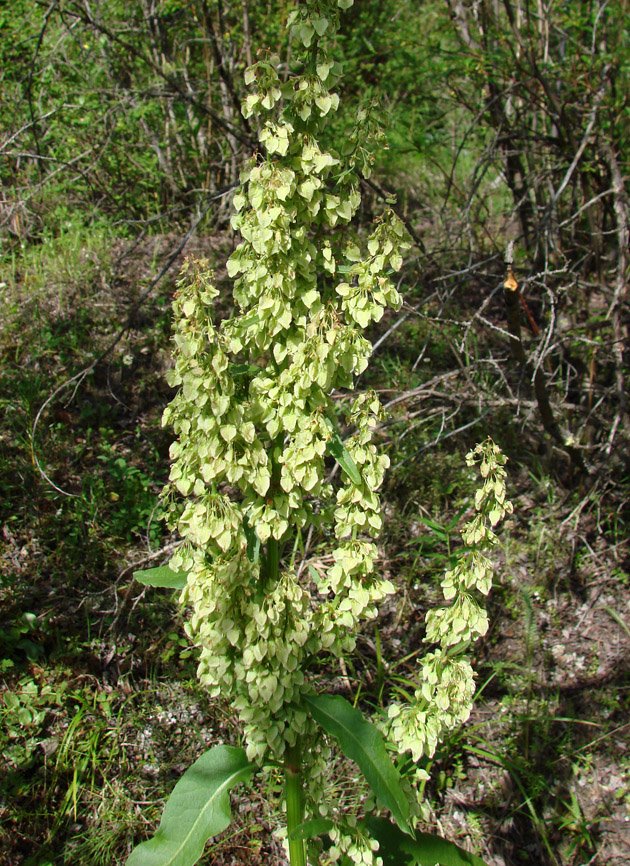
(100, 708)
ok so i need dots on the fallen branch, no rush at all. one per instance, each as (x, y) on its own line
(511, 295)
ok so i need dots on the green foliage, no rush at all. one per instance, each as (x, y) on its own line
(20, 636)
(388, 49)
(198, 808)
(443, 699)
(23, 713)
(303, 292)
(135, 506)
(362, 742)
(123, 141)
(424, 849)
(162, 576)
(265, 427)
(255, 419)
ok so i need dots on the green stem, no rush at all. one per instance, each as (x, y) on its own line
(273, 560)
(295, 805)
(269, 574)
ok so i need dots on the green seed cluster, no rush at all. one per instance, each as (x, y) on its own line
(254, 414)
(353, 844)
(444, 698)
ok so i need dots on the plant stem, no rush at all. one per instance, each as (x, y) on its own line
(273, 560)
(295, 805)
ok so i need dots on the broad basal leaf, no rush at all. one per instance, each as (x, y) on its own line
(362, 742)
(422, 849)
(161, 576)
(198, 808)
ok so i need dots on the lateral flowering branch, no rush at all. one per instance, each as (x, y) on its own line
(254, 413)
(443, 699)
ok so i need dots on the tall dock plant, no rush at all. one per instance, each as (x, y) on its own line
(257, 432)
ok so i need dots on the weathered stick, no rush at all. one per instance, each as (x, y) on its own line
(513, 302)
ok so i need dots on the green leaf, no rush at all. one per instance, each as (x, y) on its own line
(312, 828)
(162, 576)
(243, 370)
(246, 321)
(423, 849)
(306, 189)
(341, 454)
(198, 808)
(362, 742)
(253, 542)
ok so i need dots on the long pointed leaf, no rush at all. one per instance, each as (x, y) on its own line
(343, 457)
(198, 808)
(424, 849)
(253, 542)
(161, 576)
(362, 742)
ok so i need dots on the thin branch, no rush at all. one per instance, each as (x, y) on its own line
(578, 155)
(443, 438)
(614, 310)
(170, 79)
(31, 70)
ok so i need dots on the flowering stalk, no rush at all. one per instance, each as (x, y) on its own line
(256, 420)
(258, 430)
(443, 699)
